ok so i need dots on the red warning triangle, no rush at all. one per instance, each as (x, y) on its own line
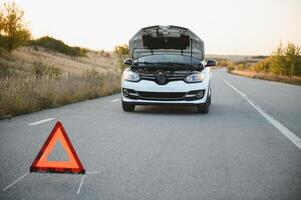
(41, 162)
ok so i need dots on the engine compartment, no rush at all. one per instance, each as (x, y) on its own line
(168, 73)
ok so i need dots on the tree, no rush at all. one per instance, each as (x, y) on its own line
(13, 29)
(286, 60)
(121, 50)
(293, 59)
(1, 20)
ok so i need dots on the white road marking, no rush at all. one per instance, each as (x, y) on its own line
(285, 131)
(81, 184)
(93, 172)
(115, 100)
(16, 181)
(41, 121)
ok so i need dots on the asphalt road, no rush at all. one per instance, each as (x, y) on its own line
(234, 152)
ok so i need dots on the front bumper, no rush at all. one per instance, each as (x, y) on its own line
(174, 93)
(175, 103)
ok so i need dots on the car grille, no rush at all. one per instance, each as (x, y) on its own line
(163, 79)
(167, 96)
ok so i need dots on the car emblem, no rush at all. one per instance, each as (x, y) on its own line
(162, 79)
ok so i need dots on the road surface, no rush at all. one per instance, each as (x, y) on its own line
(247, 147)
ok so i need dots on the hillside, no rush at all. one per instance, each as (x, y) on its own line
(93, 60)
(35, 78)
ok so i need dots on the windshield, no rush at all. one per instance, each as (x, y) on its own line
(169, 59)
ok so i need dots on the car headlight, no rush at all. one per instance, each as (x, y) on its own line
(131, 76)
(195, 78)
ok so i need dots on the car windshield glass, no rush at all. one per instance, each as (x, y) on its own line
(169, 60)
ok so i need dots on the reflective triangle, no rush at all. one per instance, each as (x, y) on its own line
(41, 162)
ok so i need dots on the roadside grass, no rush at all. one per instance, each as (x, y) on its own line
(283, 65)
(31, 86)
(296, 80)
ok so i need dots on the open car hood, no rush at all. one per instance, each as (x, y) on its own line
(166, 40)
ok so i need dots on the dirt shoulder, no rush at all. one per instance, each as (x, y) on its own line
(295, 80)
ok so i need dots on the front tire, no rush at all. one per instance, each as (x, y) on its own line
(209, 99)
(127, 107)
(204, 108)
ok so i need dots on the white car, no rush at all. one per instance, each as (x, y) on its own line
(166, 67)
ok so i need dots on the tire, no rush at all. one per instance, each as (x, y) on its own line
(204, 108)
(127, 107)
(209, 98)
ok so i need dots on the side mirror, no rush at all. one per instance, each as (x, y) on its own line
(128, 61)
(211, 63)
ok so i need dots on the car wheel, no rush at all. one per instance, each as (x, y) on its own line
(127, 107)
(204, 108)
(209, 99)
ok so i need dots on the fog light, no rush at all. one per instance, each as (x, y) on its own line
(125, 92)
(199, 94)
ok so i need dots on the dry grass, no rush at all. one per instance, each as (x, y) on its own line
(93, 60)
(296, 80)
(33, 80)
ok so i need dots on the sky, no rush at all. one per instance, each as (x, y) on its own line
(236, 27)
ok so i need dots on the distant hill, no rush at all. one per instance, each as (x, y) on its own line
(236, 58)
(58, 45)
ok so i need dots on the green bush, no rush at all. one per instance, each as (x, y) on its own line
(283, 61)
(58, 45)
(241, 66)
(230, 68)
(286, 60)
(262, 66)
(122, 50)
